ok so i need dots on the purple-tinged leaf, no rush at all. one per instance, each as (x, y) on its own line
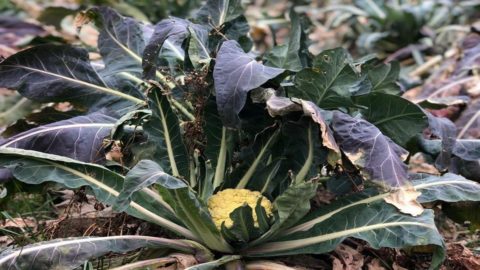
(175, 29)
(235, 74)
(78, 138)
(57, 73)
(172, 30)
(121, 41)
(71, 253)
(218, 12)
(377, 156)
(396, 117)
(444, 129)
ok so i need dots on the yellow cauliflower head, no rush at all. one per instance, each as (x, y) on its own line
(224, 202)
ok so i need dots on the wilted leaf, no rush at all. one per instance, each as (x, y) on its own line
(366, 147)
(405, 199)
(316, 114)
(235, 74)
(437, 103)
(396, 117)
(280, 106)
(351, 257)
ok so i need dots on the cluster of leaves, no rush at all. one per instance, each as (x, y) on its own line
(387, 26)
(196, 113)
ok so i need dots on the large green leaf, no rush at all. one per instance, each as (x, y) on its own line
(219, 148)
(383, 77)
(287, 56)
(56, 73)
(218, 12)
(165, 138)
(167, 38)
(366, 216)
(255, 157)
(291, 206)
(80, 137)
(198, 51)
(331, 81)
(235, 74)
(70, 253)
(243, 229)
(378, 223)
(121, 41)
(395, 116)
(183, 201)
(145, 174)
(448, 188)
(194, 214)
(34, 167)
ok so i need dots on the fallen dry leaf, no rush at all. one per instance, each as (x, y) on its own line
(460, 257)
(395, 266)
(20, 223)
(184, 260)
(375, 264)
(405, 199)
(352, 259)
(337, 264)
(5, 241)
(73, 207)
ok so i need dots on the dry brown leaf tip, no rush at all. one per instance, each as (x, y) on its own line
(405, 200)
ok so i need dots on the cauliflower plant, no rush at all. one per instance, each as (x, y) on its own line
(226, 201)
